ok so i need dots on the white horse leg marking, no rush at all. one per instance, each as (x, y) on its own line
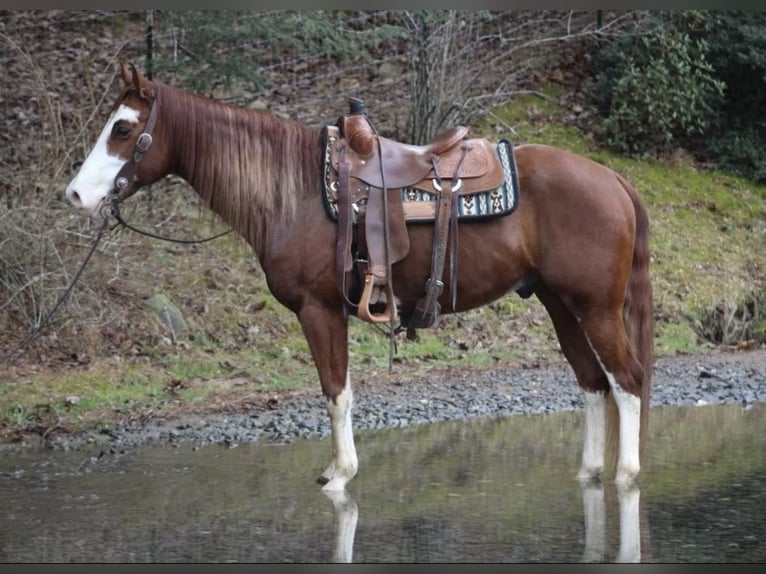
(594, 511)
(630, 526)
(96, 175)
(629, 407)
(345, 463)
(346, 517)
(595, 433)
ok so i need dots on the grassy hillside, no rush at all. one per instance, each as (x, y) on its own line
(708, 232)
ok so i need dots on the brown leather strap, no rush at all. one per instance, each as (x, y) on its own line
(376, 235)
(427, 308)
(361, 260)
(445, 228)
(441, 232)
(453, 230)
(378, 273)
(343, 261)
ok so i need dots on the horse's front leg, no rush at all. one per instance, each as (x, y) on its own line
(326, 330)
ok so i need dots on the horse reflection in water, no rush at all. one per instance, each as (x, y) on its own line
(594, 511)
(346, 516)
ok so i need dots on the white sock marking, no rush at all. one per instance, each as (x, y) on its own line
(345, 463)
(595, 433)
(346, 517)
(629, 408)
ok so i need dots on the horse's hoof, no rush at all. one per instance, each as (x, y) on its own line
(627, 489)
(589, 480)
(586, 475)
(335, 484)
(625, 478)
(340, 499)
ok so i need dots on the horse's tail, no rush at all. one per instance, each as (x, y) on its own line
(639, 308)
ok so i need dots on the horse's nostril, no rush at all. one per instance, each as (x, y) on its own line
(74, 197)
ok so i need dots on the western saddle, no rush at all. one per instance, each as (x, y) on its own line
(365, 178)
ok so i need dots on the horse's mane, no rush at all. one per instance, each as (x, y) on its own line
(249, 167)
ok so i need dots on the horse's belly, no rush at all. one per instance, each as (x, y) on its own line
(490, 264)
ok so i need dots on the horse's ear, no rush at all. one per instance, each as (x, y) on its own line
(145, 88)
(127, 79)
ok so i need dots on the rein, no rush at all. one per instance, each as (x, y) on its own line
(114, 211)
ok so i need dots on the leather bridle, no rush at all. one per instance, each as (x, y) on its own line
(126, 182)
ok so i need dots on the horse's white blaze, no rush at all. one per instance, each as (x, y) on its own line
(595, 435)
(629, 407)
(345, 463)
(96, 175)
(630, 525)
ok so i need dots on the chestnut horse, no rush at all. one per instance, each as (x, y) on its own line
(578, 240)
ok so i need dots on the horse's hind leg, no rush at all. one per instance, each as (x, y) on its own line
(326, 331)
(606, 333)
(590, 376)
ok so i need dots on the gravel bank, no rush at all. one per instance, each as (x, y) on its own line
(689, 380)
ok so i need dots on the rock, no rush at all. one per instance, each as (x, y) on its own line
(167, 313)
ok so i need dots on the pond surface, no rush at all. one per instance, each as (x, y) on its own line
(500, 490)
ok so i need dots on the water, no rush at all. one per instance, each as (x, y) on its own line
(483, 491)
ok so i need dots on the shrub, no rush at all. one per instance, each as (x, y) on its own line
(657, 90)
(729, 322)
(737, 51)
(691, 79)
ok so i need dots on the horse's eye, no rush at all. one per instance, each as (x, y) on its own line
(120, 131)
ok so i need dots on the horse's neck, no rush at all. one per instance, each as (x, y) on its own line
(250, 169)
